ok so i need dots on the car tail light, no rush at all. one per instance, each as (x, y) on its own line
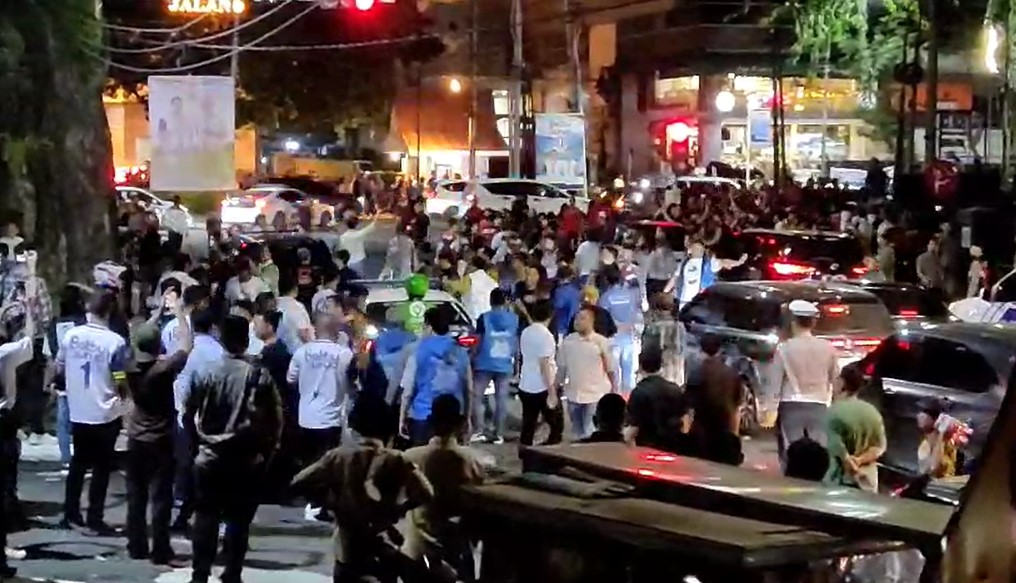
(787, 269)
(869, 369)
(468, 341)
(909, 313)
(430, 194)
(859, 271)
(836, 309)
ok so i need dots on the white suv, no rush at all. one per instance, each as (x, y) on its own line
(452, 198)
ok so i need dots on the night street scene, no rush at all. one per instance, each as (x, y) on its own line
(507, 291)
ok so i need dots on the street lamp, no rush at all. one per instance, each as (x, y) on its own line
(725, 101)
(455, 86)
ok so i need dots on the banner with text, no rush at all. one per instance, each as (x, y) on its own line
(561, 148)
(192, 121)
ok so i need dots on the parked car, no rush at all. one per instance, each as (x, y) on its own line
(275, 201)
(451, 198)
(322, 191)
(963, 366)
(797, 255)
(751, 318)
(909, 303)
(150, 200)
(386, 298)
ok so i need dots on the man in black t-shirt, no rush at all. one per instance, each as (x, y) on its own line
(659, 415)
(150, 426)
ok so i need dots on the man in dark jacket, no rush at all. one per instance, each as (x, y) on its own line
(234, 414)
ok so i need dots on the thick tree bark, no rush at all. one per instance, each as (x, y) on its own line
(55, 153)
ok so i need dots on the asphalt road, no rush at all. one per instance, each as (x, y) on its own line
(283, 544)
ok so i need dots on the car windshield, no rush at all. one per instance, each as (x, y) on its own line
(389, 314)
(856, 316)
(911, 301)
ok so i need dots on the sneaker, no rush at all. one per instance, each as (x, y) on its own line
(16, 554)
(478, 438)
(310, 513)
(497, 440)
(101, 529)
(35, 440)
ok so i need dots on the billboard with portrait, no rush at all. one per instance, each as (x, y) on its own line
(192, 121)
(561, 148)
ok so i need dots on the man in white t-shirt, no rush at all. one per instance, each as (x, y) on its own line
(587, 259)
(195, 298)
(295, 328)
(92, 362)
(537, 388)
(244, 285)
(319, 371)
(586, 371)
(697, 271)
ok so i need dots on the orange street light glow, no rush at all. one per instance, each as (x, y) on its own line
(206, 6)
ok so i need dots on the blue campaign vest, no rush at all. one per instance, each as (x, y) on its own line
(499, 343)
(708, 275)
(622, 303)
(388, 348)
(441, 368)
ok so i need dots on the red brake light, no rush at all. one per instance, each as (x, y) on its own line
(909, 313)
(859, 270)
(903, 344)
(869, 369)
(468, 341)
(786, 269)
(836, 309)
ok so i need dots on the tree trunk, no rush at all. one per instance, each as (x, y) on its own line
(56, 171)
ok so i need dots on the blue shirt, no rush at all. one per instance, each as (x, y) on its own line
(207, 353)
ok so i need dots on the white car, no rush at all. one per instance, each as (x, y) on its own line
(276, 202)
(149, 200)
(451, 198)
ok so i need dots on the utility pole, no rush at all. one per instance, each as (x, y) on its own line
(931, 124)
(234, 61)
(573, 36)
(474, 91)
(515, 133)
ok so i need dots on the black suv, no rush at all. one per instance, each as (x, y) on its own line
(796, 255)
(752, 318)
(964, 366)
(909, 303)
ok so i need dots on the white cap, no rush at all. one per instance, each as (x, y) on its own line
(803, 308)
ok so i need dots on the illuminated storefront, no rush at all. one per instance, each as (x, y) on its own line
(811, 107)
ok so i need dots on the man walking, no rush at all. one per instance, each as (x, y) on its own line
(498, 329)
(537, 380)
(586, 371)
(804, 371)
(234, 415)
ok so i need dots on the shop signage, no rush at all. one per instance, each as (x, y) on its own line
(206, 6)
(561, 148)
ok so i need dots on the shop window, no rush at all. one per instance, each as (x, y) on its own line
(677, 91)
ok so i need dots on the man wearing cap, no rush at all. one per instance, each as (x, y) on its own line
(805, 369)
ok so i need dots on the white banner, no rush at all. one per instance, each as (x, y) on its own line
(192, 121)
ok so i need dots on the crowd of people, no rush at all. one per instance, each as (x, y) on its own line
(232, 370)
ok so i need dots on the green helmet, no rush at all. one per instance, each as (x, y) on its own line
(417, 286)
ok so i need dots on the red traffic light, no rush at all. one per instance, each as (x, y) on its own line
(364, 5)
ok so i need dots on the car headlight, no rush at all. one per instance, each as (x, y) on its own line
(637, 197)
(644, 183)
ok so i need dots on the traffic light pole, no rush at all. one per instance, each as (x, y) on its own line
(474, 91)
(515, 133)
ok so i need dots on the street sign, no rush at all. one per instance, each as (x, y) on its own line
(206, 6)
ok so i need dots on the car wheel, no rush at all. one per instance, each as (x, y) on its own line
(751, 423)
(450, 213)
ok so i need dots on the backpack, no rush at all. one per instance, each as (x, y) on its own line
(449, 372)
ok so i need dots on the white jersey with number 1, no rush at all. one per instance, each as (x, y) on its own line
(89, 355)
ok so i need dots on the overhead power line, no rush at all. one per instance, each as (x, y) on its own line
(204, 39)
(169, 31)
(218, 58)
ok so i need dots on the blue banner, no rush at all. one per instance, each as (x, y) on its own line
(561, 148)
(761, 128)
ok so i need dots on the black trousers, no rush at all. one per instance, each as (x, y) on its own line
(315, 443)
(534, 405)
(223, 492)
(150, 467)
(94, 448)
(8, 472)
(32, 397)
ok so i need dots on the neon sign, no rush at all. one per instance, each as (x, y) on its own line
(206, 6)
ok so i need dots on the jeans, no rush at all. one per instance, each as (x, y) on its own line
(94, 448)
(581, 415)
(63, 429)
(183, 481)
(625, 355)
(534, 405)
(224, 492)
(480, 403)
(150, 468)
